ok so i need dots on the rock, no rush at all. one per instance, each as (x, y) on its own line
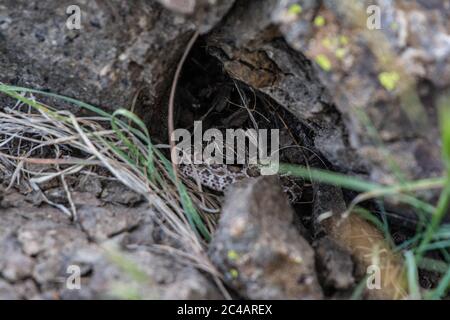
(115, 192)
(394, 76)
(262, 59)
(7, 291)
(364, 241)
(14, 264)
(27, 289)
(193, 286)
(123, 49)
(89, 184)
(259, 249)
(48, 237)
(342, 80)
(334, 264)
(206, 12)
(143, 274)
(101, 223)
(38, 245)
(140, 236)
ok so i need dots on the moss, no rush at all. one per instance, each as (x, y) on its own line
(232, 255)
(327, 43)
(295, 9)
(234, 273)
(343, 40)
(389, 80)
(319, 21)
(340, 53)
(323, 61)
(394, 26)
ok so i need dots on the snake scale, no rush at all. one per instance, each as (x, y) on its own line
(219, 177)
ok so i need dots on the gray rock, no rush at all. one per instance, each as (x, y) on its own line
(115, 192)
(27, 289)
(262, 59)
(122, 49)
(341, 79)
(101, 223)
(14, 264)
(389, 80)
(37, 245)
(334, 264)
(7, 292)
(160, 276)
(258, 247)
(207, 13)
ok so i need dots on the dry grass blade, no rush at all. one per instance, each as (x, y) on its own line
(41, 144)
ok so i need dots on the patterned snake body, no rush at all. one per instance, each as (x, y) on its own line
(219, 177)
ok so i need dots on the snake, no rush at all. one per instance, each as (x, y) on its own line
(219, 177)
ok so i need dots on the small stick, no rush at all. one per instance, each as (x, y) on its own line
(172, 98)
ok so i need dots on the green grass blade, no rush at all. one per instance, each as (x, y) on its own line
(323, 176)
(442, 288)
(359, 290)
(148, 160)
(119, 127)
(381, 225)
(433, 265)
(192, 214)
(6, 88)
(357, 184)
(444, 199)
(437, 245)
(413, 276)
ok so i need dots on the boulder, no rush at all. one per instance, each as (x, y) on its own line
(259, 249)
(123, 50)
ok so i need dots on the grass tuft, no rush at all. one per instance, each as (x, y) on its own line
(34, 133)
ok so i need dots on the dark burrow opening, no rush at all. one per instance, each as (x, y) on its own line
(206, 93)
